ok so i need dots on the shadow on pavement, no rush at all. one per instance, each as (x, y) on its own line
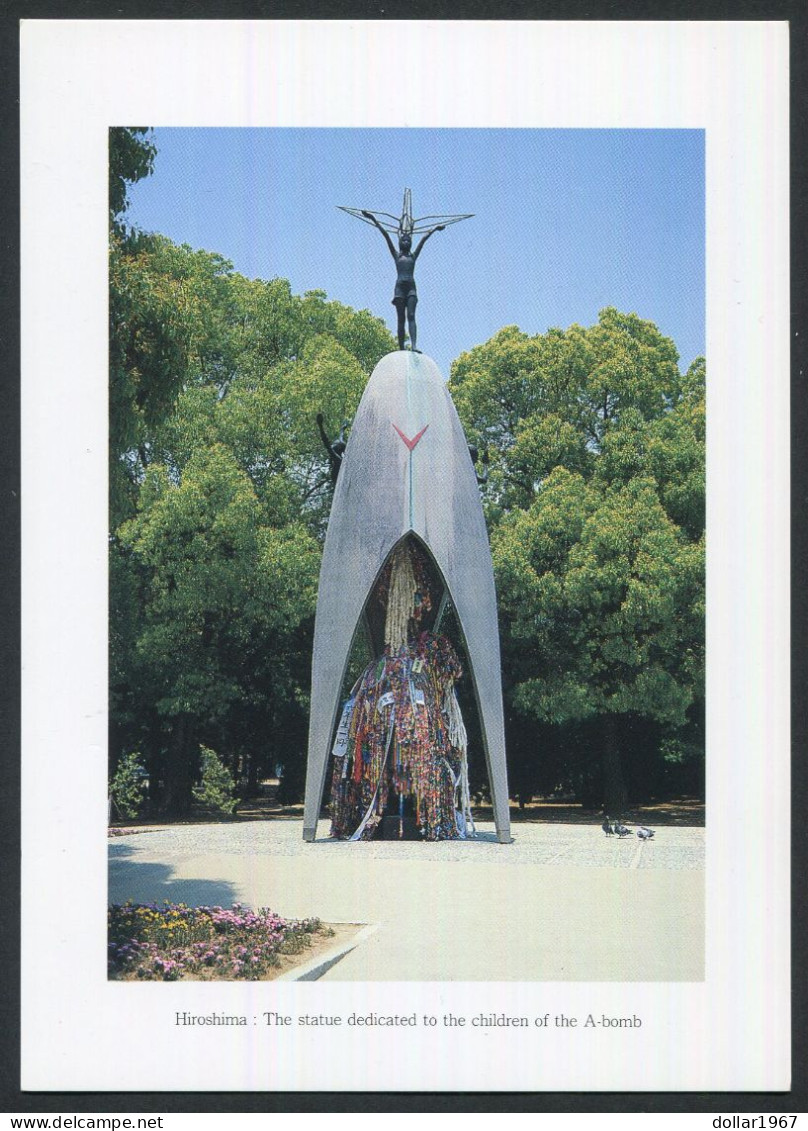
(152, 883)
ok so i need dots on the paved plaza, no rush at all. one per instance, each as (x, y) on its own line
(563, 902)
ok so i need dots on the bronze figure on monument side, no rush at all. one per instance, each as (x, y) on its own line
(335, 449)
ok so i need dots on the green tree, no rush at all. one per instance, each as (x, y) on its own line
(217, 787)
(127, 788)
(131, 158)
(587, 378)
(168, 310)
(218, 588)
(615, 592)
(219, 494)
(596, 508)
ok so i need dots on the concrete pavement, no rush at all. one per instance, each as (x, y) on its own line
(562, 903)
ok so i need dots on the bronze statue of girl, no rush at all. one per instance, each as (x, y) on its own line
(405, 296)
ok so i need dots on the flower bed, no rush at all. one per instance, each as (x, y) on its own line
(152, 942)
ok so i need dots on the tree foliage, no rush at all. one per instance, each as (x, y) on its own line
(127, 787)
(219, 495)
(596, 507)
(217, 787)
(131, 158)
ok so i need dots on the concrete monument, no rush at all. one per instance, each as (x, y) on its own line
(405, 473)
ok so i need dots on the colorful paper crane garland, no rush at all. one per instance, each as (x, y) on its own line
(401, 729)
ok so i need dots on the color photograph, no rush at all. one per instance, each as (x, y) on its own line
(478, 552)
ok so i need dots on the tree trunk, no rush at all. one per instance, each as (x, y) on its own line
(177, 781)
(252, 775)
(615, 797)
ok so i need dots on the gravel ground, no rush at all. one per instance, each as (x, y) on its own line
(584, 845)
(527, 908)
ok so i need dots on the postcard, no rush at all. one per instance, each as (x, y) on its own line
(549, 702)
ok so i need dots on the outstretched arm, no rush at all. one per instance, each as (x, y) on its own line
(431, 232)
(334, 457)
(373, 220)
(323, 435)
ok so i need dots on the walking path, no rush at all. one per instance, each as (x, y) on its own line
(562, 903)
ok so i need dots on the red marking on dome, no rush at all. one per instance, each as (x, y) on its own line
(410, 442)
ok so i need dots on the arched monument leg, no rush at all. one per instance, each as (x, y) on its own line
(482, 649)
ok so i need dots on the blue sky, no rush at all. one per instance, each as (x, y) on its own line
(565, 222)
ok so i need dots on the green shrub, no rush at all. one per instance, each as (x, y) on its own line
(128, 787)
(217, 789)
